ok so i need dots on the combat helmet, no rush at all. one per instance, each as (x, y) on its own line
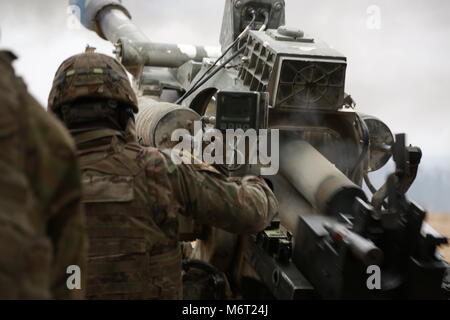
(91, 75)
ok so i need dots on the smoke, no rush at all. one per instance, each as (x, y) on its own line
(398, 66)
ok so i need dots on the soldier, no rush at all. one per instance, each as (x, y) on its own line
(41, 220)
(134, 195)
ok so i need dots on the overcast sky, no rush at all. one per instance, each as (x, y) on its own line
(399, 72)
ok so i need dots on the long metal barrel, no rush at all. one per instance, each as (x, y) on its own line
(112, 21)
(115, 24)
(362, 248)
(318, 180)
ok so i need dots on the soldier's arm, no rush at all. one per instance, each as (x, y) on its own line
(56, 179)
(238, 205)
(67, 229)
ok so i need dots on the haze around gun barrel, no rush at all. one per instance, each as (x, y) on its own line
(315, 178)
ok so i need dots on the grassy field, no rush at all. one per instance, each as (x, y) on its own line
(441, 222)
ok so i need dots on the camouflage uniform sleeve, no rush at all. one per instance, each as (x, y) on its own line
(67, 228)
(55, 178)
(238, 205)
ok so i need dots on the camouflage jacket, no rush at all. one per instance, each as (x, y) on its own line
(41, 219)
(134, 197)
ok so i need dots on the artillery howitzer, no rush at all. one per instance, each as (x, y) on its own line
(328, 234)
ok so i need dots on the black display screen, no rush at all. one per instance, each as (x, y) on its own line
(237, 110)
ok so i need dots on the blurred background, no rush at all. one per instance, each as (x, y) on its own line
(398, 59)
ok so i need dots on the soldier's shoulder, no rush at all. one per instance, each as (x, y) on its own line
(14, 94)
(6, 60)
(153, 157)
(171, 161)
(10, 84)
(186, 161)
(8, 79)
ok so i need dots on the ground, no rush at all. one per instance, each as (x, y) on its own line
(441, 222)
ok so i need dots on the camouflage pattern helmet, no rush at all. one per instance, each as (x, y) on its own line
(91, 74)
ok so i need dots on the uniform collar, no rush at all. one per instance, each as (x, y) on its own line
(93, 135)
(98, 140)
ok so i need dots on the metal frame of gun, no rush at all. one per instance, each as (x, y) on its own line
(331, 254)
(322, 169)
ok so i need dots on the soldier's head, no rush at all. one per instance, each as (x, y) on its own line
(92, 89)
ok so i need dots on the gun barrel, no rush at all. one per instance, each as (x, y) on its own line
(319, 181)
(115, 24)
(362, 248)
(112, 21)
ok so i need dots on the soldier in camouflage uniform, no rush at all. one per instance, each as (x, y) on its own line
(134, 196)
(41, 221)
